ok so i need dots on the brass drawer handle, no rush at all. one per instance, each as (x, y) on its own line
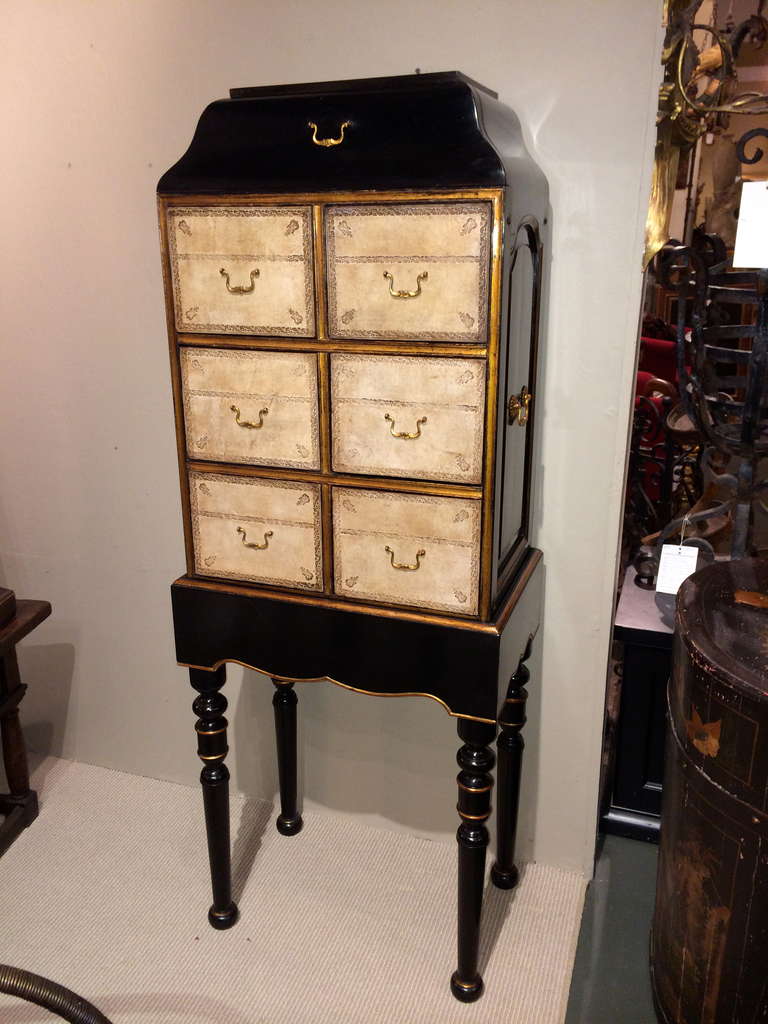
(405, 436)
(405, 294)
(247, 423)
(400, 565)
(250, 544)
(328, 142)
(239, 289)
(519, 406)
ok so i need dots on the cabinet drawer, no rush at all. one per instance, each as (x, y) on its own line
(253, 407)
(438, 404)
(231, 514)
(411, 271)
(409, 549)
(242, 269)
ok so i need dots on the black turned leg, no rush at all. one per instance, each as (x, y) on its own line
(284, 702)
(474, 807)
(211, 729)
(510, 746)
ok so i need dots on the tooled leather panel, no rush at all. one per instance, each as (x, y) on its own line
(440, 400)
(229, 513)
(282, 383)
(445, 530)
(450, 242)
(275, 241)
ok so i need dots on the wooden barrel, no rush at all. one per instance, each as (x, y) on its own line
(709, 941)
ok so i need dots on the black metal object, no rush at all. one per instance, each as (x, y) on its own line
(724, 389)
(650, 471)
(33, 988)
(747, 137)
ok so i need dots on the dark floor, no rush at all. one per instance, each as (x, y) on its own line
(610, 983)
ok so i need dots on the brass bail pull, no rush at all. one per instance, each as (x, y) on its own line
(250, 544)
(519, 406)
(404, 435)
(239, 289)
(404, 565)
(248, 423)
(329, 142)
(402, 294)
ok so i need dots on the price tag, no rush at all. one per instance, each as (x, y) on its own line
(677, 563)
(752, 229)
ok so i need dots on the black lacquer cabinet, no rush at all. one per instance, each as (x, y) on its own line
(353, 277)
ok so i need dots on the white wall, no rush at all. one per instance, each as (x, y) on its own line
(96, 100)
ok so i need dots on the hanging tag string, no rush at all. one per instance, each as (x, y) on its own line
(686, 522)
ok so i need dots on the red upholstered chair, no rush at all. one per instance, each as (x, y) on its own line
(654, 398)
(658, 357)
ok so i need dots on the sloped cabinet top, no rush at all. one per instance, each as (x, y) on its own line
(431, 131)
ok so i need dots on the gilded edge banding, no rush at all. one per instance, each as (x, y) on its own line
(318, 238)
(323, 198)
(323, 387)
(489, 475)
(395, 485)
(326, 512)
(394, 348)
(336, 682)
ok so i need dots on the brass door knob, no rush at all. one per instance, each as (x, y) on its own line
(518, 407)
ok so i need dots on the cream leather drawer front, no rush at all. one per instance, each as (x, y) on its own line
(408, 416)
(259, 408)
(261, 531)
(415, 271)
(242, 269)
(407, 549)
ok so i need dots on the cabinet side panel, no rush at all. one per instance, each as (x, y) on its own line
(523, 273)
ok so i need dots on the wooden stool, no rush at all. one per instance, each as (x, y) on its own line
(19, 806)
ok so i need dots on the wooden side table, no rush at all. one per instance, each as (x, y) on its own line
(19, 806)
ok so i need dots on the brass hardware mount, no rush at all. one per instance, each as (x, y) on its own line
(402, 294)
(251, 544)
(404, 565)
(248, 423)
(518, 407)
(240, 289)
(404, 435)
(329, 142)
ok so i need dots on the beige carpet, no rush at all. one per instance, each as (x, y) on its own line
(107, 893)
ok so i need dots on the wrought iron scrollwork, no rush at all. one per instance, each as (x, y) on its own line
(757, 155)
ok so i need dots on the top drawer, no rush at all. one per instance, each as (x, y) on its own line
(242, 269)
(416, 271)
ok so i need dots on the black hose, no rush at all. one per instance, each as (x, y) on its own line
(49, 995)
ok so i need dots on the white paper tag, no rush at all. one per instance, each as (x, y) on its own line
(676, 564)
(752, 229)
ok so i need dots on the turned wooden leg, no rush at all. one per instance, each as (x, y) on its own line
(474, 807)
(211, 728)
(284, 702)
(14, 749)
(510, 744)
(19, 806)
